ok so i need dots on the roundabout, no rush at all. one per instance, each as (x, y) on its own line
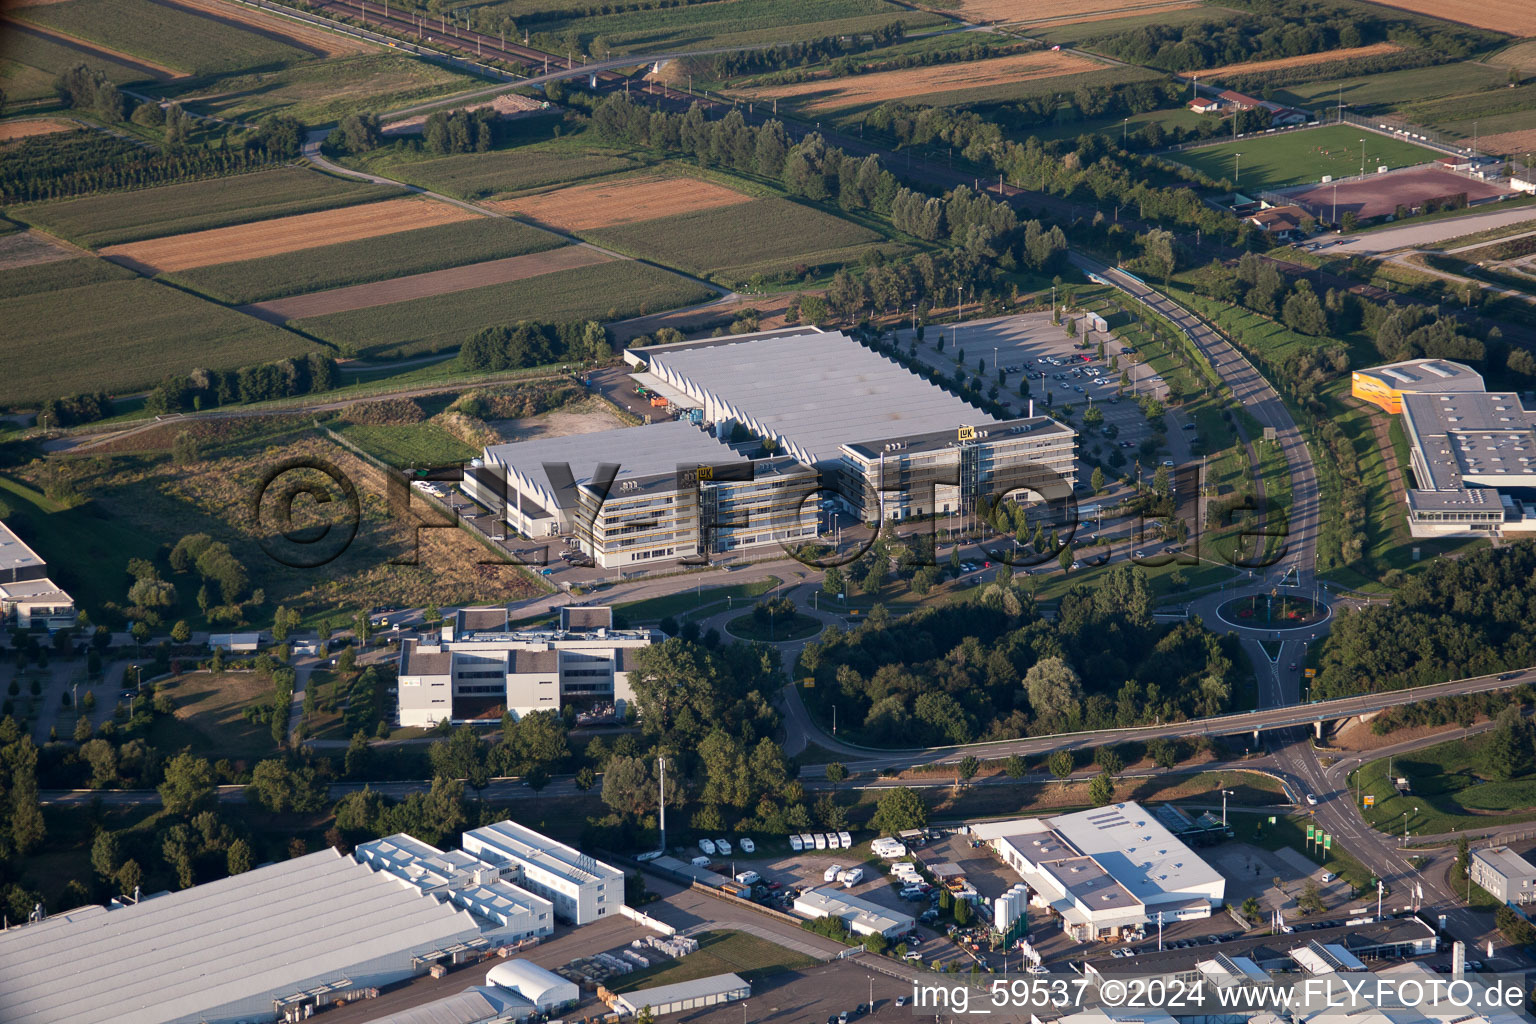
(1273, 612)
(774, 629)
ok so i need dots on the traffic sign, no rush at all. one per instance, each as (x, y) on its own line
(1310, 673)
(1370, 799)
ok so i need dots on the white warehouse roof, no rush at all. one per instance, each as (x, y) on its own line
(184, 956)
(542, 988)
(813, 390)
(1129, 843)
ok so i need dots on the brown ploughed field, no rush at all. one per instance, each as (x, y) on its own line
(881, 86)
(1301, 60)
(1517, 17)
(602, 204)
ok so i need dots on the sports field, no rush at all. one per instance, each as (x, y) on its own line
(608, 291)
(115, 217)
(1297, 157)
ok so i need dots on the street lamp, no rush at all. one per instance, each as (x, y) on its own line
(1362, 156)
(1237, 171)
(1224, 794)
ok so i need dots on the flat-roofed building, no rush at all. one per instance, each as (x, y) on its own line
(859, 916)
(28, 598)
(272, 941)
(479, 665)
(1386, 385)
(1107, 871)
(582, 888)
(697, 994)
(461, 878)
(1506, 875)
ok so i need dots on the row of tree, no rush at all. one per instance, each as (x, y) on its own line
(530, 343)
(206, 389)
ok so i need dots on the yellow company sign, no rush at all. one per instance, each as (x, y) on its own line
(967, 433)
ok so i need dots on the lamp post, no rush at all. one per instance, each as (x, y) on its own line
(1362, 157)
(1224, 794)
(1237, 171)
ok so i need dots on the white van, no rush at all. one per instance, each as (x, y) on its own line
(749, 878)
(851, 877)
(846, 840)
(795, 844)
(1326, 877)
(830, 875)
(821, 841)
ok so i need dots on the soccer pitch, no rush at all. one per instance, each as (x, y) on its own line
(1302, 157)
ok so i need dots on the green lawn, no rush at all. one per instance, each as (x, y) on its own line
(173, 36)
(208, 716)
(719, 952)
(414, 444)
(606, 291)
(1449, 791)
(123, 335)
(367, 259)
(1295, 157)
(111, 218)
(321, 91)
(732, 243)
(798, 628)
(708, 600)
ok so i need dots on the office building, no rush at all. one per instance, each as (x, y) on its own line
(1504, 874)
(28, 598)
(479, 665)
(581, 888)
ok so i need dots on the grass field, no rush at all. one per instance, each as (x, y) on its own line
(31, 62)
(732, 243)
(1298, 157)
(607, 291)
(514, 169)
(321, 91)
(365, 260)
(1449, 790)
(1391, 89)
(120, 334)
(168, 35)
(1072, 33)
(115, 217)
(208, 715)
(414, 444)
(721, 952)
(734, 23)
(654, 609)
(1115, 128)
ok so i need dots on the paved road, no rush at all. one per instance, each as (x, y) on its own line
(1417, 236)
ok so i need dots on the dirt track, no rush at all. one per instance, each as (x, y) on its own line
(26, 129)
(284, 234)
(1252, 67)
(881, 86)
(621, 201)
(421, 286)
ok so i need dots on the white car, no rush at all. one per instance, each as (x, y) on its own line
(748, 846)
(723, 846)
(707, 847)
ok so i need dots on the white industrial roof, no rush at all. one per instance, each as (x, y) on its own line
(532, 982)
(656, 449)
(813, 390)
(1134, 848)
(14, 553)
(471, 1006)
(520, 843)
(1428, 375)
(34, 592)
(273, 930)
(698, 988)
(852, 910)
(1472, 437)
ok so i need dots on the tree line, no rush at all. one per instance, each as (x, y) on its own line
(800, 54)
(530, 343)
(206, 389)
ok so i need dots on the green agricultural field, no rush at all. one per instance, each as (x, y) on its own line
(1392, 89)
(1292, 158)
(367, 259)
(322, 91)
(412, 444)
(477, 175)
(1059, 84)
(173, 36)
(118, 333)
(115, 217)
(729, 23)
(1082, 33)
(59, 275)
(732, 243)
(32, 61)
(606, 291)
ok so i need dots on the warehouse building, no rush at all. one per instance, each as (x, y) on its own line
(1509, 877)
(479, 665)
(859, 916)
(1472, 452)
(883, 441)
(545, 990)
(275, 942)
(771, 430)
(685, 995)
(28, 598)
(461, 878)
(581, 888)
(1106, 872)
